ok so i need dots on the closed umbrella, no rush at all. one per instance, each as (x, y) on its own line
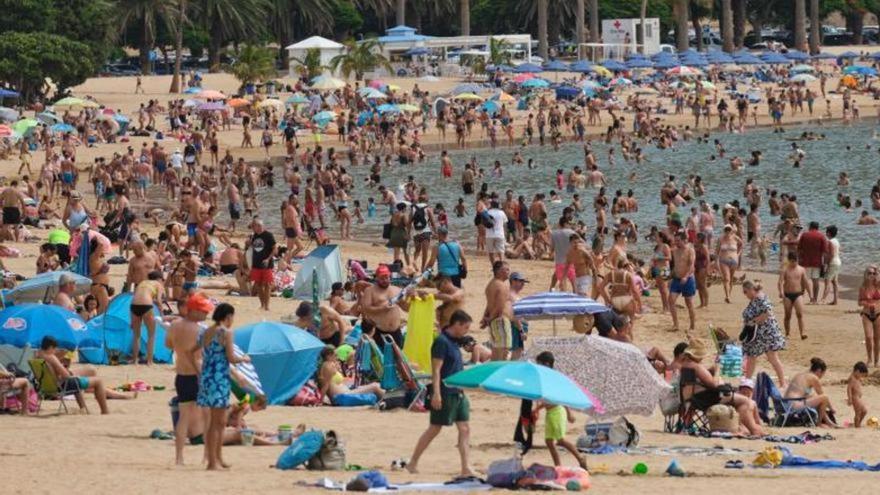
(522, 380)
(26, 325)
(616, 373)
(284, 357)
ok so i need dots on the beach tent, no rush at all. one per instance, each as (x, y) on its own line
(327, 48)
(111, 333)
(323, 262)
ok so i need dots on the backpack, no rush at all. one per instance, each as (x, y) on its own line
(331, 456)
(420, 218)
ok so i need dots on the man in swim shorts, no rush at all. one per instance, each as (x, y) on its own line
(683, 281)
(499, 311)
(12, 200)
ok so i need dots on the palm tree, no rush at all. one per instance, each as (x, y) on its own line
(232, 20)
(464, 12)
(815, 27)
(542, 28)
(640, 32)
(727, 25)
(178, 46)
(253, 64)
(739, 23)
(286, 15)
(499, 51)
(360, 58)
(594, 21)
(145, 16)
(310, 65)
(579, 22)
(800, 15)
(680, 9)
(401, 12)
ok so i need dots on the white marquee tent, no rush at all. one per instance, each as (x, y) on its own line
(328, 48)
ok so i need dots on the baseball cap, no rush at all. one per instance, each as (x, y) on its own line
(199, 302)
(747, 383)
(518, 277)
(383, 270)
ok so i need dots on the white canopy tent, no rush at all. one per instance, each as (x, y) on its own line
(328, 48)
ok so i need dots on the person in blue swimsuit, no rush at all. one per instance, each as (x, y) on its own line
(215, 383)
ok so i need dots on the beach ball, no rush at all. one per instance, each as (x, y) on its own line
(640, 468)
(573, 486)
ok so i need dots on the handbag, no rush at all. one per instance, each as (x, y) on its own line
(748, 334)
(462, 271)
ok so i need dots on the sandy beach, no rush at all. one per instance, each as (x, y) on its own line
(103, 454)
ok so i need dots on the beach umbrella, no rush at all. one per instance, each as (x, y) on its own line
(8, 93)
(417, 51)
(6, 131)
(589, 83)
(211, 94)
(536, 83)
(504, 97)
(620, 81)
(296, 99)
(860, 70)
(694, 62)
(392, 87)
(373, 94)
(387, 108)
(548, 305)
(271, 103)
(613, 65)
(491, 107)
(602, 71)
(248, 373)
(25, 126)
(797, 69)
(191, 103)
(284, 356)
(639, 63)
(616, 373)
(8, 114)
(773, 58)
(875, 56)
(522, 380)
(376, 84)
(406, 107)
(582, 66)
(796, 55)
(323, 118)
(238, 102)
(466, 88)
(69, 102)
(521, 78)
(328, 83)
(192, 90)
(849, 81)
(848, 54)
(527, 68)
(803, 78)
(62, 128)
(824, 56)
(499, 68)
(683, 71)
(567, 92)
(117, 334)
(25, 325)
(211, 106)
(555, 66)
(44, 287)
(468, 97)
(48, 118)
(747, 59)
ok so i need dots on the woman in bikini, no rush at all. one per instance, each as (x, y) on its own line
(728, 252)
(332, 381)
(99, 271)
(147, 293)
(660, 266)
(869, 298)
(619, 289)
(808, 386)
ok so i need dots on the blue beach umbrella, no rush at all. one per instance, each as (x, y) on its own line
(848, 54)
(324, 118)
(528, 68)
(44, 287)
(388, 108)
(62, 128)
(860, 70)
(9, 114)
(536, 83)
(466, 88)
(824, 56)
(284, 357)
(613, 65)
(296, 99)
(8, 93)
(639, 63)
(796, 55)
(26, 325)
(567, 92)
(548, 305)
(523, 380)
(582, 66)
(491, 107)
(416, 51)
(555, 66)
(117, 330)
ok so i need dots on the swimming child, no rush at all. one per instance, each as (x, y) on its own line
(555, 421)
(854, 392)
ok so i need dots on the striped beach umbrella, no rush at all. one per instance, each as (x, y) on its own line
(548, 305)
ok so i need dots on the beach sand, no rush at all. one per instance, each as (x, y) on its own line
(102, 454)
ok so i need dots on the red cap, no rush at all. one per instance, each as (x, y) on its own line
(383, 270)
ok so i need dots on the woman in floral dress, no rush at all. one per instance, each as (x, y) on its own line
(768, 337)
(214, 382)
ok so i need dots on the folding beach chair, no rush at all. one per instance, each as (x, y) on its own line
(690, 419)
(786, 411)
(47, 386)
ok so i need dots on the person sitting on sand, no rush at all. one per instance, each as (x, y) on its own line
(333, 327)
(70, 382)
(709, 390)
(21, 386)
(332, 381)
(807, 386)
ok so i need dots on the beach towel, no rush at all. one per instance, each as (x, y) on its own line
(420, 332)
(354, 400)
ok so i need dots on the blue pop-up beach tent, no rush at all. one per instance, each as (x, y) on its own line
(111, 333)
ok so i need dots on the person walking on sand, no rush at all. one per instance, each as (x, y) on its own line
(499, 311)
(263, 246)
(182, 338)
(448, 404)
(793, 284)
(556, 421)
(215, 384)
(683, 281)
(812, 249)
(139, 85)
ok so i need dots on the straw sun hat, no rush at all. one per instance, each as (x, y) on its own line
(696, 350)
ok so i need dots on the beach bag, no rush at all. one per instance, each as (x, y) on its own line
(487, 220)
(308, 395)
(303, 448)
(623, 433)
(670, 403)
(748, 334)
(722, 418)
(330, 457)
(505, 473)
(354, 400)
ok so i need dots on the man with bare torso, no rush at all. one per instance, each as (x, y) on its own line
(12, 200)
(581, 259)
(291, 224)
(683, 281)
(140, 264)
(384, 312)
(451, 299)
(793, 284)
(182, 338)
(499, 311)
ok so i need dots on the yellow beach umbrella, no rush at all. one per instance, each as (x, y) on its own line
(602, 71)
(467, 96)
(505, 98)
(271, 102)
(406, 107)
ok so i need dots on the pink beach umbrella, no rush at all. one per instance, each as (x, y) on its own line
(377, 83)
(523, 77)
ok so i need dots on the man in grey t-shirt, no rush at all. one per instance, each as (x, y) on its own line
(559, 240)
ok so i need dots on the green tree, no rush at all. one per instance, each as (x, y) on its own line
(88, 21)
(232, 21)
(178, 45)
(27, 59)
(360, 58)
(346, 19)
(499, 51)
(143, 17)
(291, 17)
(310, 65)
(27, 15)
(253, 64)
